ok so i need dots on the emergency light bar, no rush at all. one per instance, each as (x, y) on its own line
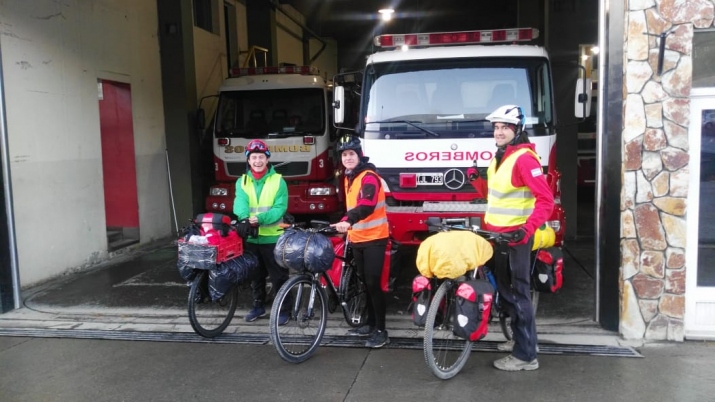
(457, 38)
(305, 70)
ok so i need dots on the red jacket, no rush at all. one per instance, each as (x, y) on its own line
(529, 172)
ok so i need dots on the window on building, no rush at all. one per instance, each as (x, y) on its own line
(703, 58)
(206, 15)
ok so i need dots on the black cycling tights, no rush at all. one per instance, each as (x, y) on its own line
(369, 261)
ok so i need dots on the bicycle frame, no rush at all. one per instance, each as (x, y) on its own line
(332, 277)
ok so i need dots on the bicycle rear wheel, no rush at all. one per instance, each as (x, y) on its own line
(445, 353)
(306, 304)
(210, 318)
(505, 320)
(354, 296)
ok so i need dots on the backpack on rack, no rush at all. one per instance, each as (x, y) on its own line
(211, 222)
(473, 306)
(547, 275)
(421, 296)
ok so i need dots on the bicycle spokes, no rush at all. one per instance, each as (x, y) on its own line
(305, 303)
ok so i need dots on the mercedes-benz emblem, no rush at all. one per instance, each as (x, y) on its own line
(454, 179)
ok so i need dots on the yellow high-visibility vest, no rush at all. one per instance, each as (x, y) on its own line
(265, 203)
(508, 205)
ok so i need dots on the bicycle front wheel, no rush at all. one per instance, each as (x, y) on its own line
(445, 353)
(354, 297)
(505, 320)
(210, 318)
(304, 304)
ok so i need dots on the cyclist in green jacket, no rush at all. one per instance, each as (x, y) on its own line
(260, 204)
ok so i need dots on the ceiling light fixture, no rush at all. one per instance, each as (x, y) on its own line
(386, 13)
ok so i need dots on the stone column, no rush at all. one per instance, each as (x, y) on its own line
(656, 166)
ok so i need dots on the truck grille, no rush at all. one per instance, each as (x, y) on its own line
(287, 170)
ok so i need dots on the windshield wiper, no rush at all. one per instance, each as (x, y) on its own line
(430, 132)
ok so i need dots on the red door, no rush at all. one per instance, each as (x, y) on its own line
(118, 164)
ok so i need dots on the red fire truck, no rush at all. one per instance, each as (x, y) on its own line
(288, 108)
(422, 120)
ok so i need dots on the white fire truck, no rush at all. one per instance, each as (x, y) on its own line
(422, 120)
(288, 108)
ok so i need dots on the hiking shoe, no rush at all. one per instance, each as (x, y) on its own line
(508, 346)
(365, 330)
(255, 313)
(283, 318)
(511, 363)
(377, 339)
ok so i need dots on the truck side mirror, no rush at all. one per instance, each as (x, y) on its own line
(582, 104)
(200, 119)
(338, 104)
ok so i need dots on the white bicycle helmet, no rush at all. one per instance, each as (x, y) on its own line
(511, 114)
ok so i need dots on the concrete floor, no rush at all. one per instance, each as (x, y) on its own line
(79, 370)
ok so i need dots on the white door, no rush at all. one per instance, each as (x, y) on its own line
(700, 253)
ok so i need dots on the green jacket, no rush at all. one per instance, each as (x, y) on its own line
(242, 209)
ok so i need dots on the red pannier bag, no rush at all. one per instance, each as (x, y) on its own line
(390, 259)
(212, 222)
(336, 271)
(421, 296)
(547, 275)
(472, 308)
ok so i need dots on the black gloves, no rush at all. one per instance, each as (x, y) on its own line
(243, 228)
(516, 236)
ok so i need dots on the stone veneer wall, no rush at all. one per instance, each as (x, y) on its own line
(656, 166)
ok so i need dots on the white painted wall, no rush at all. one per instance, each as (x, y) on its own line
(53, 53)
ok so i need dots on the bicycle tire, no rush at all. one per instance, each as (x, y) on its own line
(354, 295)
(440, 344)
(210, 318)
(297, 340)
(505, 320)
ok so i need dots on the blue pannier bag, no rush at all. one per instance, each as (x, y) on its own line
(231, 273)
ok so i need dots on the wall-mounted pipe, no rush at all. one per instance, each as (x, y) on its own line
(7, 187)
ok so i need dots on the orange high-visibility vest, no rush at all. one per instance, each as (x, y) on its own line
(507, 205)
(373, 227)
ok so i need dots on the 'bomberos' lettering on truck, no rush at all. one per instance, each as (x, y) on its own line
(423, 105)
(288, 108)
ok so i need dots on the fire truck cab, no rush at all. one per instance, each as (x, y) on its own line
(288, 108)
(422, 120)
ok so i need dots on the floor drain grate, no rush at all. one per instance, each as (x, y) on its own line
(328, 340)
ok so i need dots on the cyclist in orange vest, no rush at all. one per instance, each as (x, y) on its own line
(519, 202)
(366, 226)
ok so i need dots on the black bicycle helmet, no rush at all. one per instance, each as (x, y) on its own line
(350, 142)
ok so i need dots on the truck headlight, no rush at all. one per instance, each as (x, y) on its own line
(556, 225)
(319, 191)
(219, 191)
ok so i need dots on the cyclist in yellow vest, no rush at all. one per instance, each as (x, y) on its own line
(519, 202)
(261, 202)
(367, 230)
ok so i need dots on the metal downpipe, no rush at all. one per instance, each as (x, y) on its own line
(8, 192)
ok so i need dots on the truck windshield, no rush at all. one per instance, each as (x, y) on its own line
(451, 98)
(269, 113)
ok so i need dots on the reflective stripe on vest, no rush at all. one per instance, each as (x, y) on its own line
(265, 203)
(508, 205)
(374, 226)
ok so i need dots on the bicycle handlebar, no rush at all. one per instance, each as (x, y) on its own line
(498, 237)
(321, 228)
